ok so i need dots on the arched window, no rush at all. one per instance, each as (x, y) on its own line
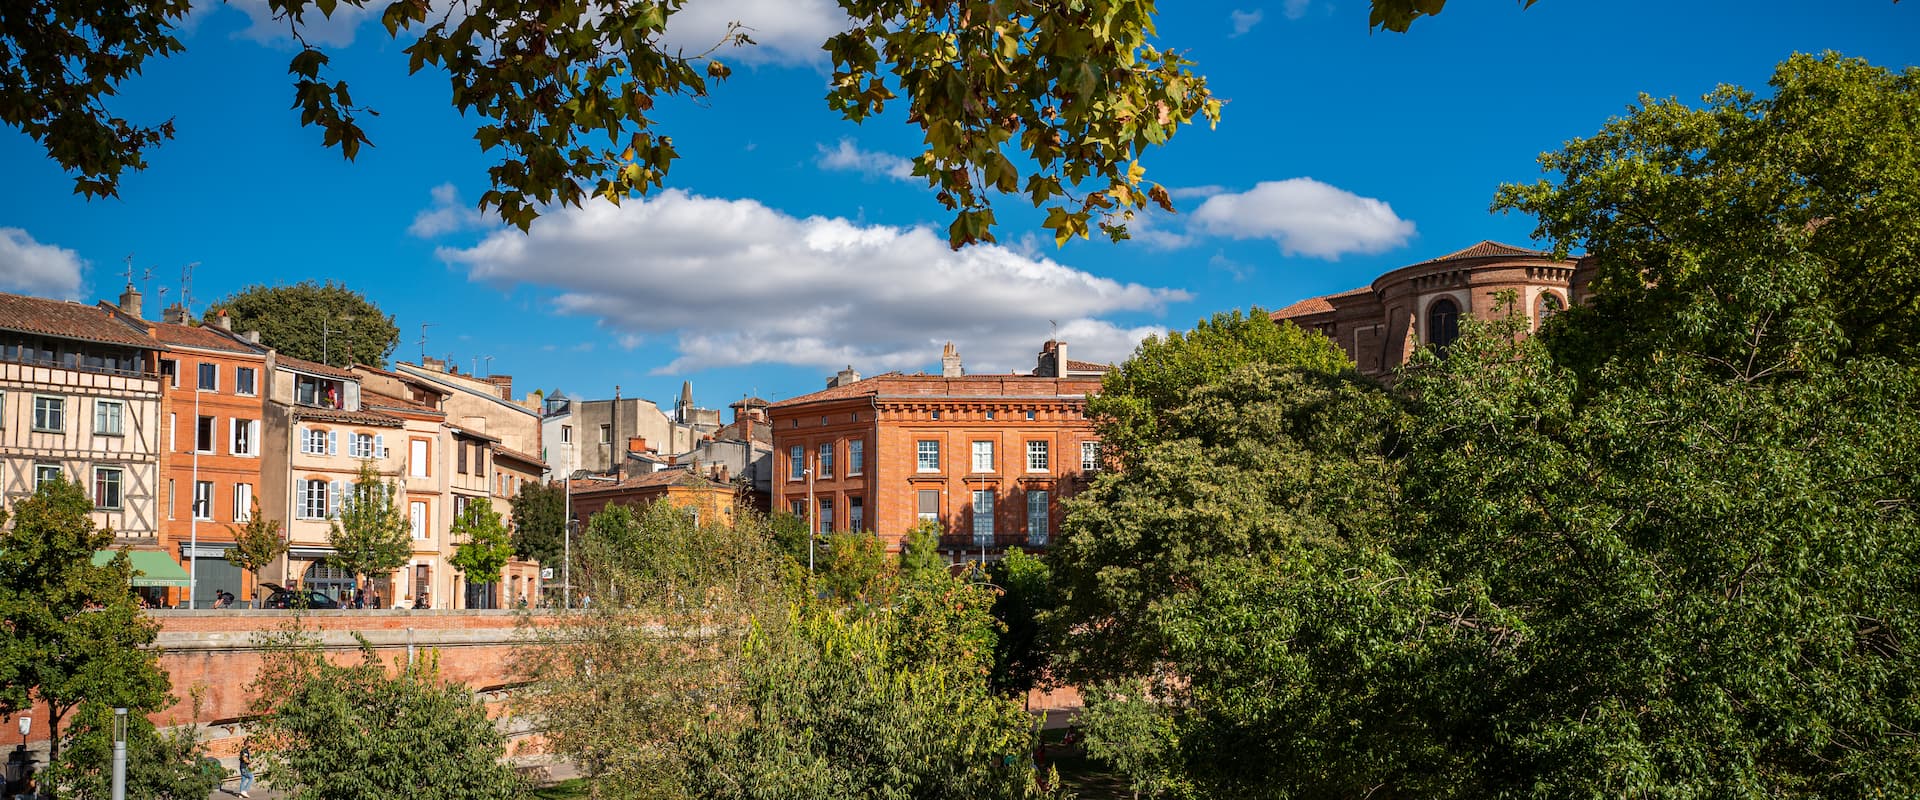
(1545, 306)
(1443, 322)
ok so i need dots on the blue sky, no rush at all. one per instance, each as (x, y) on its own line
(787, 247)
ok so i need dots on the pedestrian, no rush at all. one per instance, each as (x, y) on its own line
(246, 769)
(377, 599)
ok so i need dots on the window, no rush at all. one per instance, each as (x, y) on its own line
(243, 378)
(982, 517)
(826, 460)
(360, 445)
(417, 518)
(417, 454)
(989, 414)
(170, 498)
(936, 416)
(606, 434)
(1545, 306)
(1030, 416)
(49, 413)
(460, 457)
(823, 420)
(3, 410)
(856, 515)
(460, 503)
(566, 434)
(203, 435)
(983, 456)
(311, 391)
(1090, 456)
(826, 515)
(106, 487)
(1037, 518)
(170, 370)
(929, 505)
(313, 499)
(1443, 323)
(203, 500)
(313, 441)
(927, 455)
(242, 502)
(479, 459)
(44, 473)
(209, 376)
(796, 462)
(246, 436)
(109, 417)
(1036, 456)
(799, 508)
(856, 457)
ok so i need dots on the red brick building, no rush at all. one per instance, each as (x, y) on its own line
(1381, 324)
(987, 457)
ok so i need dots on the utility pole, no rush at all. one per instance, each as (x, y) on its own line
(193, 508)
(119, 754)
(615, 449)
(566, 534)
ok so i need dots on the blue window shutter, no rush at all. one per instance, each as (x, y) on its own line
(333, 443)
(379, 446)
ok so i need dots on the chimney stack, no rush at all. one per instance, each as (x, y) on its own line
(950, 362)
(225, 323)
(175, 314)
(130, 302)
(638, 444)
(251, 336)
(1053, 360)
(843, 377)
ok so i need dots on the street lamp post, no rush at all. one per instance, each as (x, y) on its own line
(566, 534)
(119, 754)
(193, 514)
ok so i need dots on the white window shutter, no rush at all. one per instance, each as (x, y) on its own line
(333, 498)
(233, 432)
(300, 435)
(333, 443)
(379, 446)
(253, 438)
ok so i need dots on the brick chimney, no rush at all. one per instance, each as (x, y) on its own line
(225, 323)
(175, 314)
(434, 364)
(950, 362)
(130, 302)
(251, 336)
(502, 383)
(638, 444)
(1053, 360)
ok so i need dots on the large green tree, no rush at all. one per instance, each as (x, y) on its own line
(540, 522)
(373, 731)
(324, 322)
(369, 534)
(1055, 101)
(712, 669)
(73, 633)
(1665, 550)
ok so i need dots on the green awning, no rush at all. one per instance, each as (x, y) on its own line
(150, 567)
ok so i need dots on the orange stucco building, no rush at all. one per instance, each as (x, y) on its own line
(214, 385)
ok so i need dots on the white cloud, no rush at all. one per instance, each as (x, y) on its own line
(848, 156)
(1306, 217)
(1243, 21)
(1183, 192)
(447, 214)
(734, 282)
(318, 29)
(29, 267)
(1295, 9)
(784, 31)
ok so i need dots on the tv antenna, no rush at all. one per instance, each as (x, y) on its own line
(488, 362)
(129, 270)
(186, 287)
(423, 341)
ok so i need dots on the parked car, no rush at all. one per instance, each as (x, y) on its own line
(283, 597)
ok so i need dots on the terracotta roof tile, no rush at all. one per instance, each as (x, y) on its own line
(375, 399)
(1087, 366)
(964, 386)
(1488, 248)
(500, 450)
(1316, 305)
(201, 337)
(314, 367)
(645, 480)
(349, 417)
(38, 315)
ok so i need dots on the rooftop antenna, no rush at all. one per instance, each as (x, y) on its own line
(488, 361)
(186, 287)
(423, 341)
(1053, 329)
(129, 270)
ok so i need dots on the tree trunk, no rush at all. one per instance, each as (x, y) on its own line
(54, 715)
